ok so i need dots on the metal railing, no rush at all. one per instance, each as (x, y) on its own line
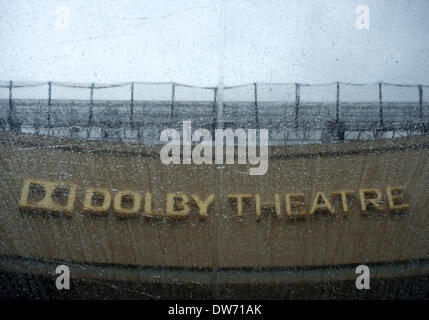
(418, 121)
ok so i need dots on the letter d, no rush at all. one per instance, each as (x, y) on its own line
(216, 309)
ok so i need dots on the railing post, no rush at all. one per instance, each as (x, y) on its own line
(297, 103)
(10, 115)
(337, 118)
(220, 89)
(91, 111)
(422, 123)
(380, 96)
(11, 118)
(214, 112)
(255, 87)
(339, 127)
(132, 106)
(49, 104)
(173, 98)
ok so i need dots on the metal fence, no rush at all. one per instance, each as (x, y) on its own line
(137, 111)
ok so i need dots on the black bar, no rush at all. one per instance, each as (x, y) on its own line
(421, 107)
(91, 105)
(173, 95)
(337, 119)
(132, 105)
(11, 116)
(49, 103)
(214, 112)
(380, 94)
(297, 103)
(10, 96)
(255, 86)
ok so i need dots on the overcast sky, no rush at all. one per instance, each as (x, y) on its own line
(265, 41)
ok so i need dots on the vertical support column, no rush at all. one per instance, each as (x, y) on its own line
(132, 106)
(214, 112)
(339, 127)
(49, 105)
(11, 113)
(10, 96)
(337, 118)
(255, 87)
(297, 103)
(219, 105)
(422, 123)
(173, 98)
(11, 118)
(380, 95)
(91, 111)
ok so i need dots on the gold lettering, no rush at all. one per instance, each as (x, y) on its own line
(275, 207)
(396, 199)
(375, 201)
(59, 198)
(122, 197)
(321, 207)
(240, 197)
(344, 194)
(172, 207)
(97, 208)
(203, 205)
(299, 211)
(54, 197)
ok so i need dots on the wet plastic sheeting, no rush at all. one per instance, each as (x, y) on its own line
(194, 104)
(139, 238)
(276, 110)
(400, 104)
(151, 111)
(111, 111)
(317, 102)
(160, 248)
(276, 105)
(359, 106)
(309, 115)
(68, 93)
(239, 108)
(29, 105)
(152, 92)
(70, 110)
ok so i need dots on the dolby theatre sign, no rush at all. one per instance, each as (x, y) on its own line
(60, 198)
